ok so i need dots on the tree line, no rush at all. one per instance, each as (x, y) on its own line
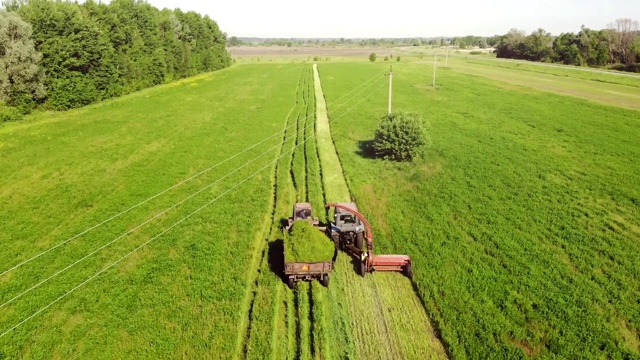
(337, 42)
(60, 55)
(617, 46)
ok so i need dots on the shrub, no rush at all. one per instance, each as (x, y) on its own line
(386, 58)
(397, 58)
(373, 57)
(400, 137)
(475, 52)
(317, 58)
(629, 67)
(8, 113)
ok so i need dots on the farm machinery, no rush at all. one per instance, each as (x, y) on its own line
(304, 212)
(350, 230)
(295, 271)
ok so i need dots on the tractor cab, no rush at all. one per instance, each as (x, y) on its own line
(302, 212)
(347, 230)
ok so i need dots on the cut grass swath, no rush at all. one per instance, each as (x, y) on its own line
(368, 310)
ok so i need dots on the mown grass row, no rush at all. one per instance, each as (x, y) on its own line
(365, 307)
(305, 332)
(521, 219)
(63, 172)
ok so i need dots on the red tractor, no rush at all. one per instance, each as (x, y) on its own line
(347, 232)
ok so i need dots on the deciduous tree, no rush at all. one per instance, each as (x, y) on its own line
(21, 77)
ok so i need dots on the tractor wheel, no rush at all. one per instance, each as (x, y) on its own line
(291, 283)
(361, 269)
(325, 280)
(360, 240)
(336, 240)
(408, 272)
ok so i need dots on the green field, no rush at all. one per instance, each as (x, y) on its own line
(64, 172)
(521, 219)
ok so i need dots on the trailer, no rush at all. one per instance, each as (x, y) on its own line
(298, 270)
(307, 271)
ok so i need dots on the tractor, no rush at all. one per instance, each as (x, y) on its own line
(347, 230)
(302, 212)
(346, 234)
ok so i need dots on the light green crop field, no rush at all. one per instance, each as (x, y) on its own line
(619, 90)
(180, 296)
(586, 73)
(521, 219)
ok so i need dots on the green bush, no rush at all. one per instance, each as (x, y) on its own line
(9, 113)
(400, 137)
(373, 57)
(475, 52)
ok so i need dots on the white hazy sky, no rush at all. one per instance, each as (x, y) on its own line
(404, 18)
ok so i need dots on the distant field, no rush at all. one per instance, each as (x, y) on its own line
(607, 89)
(243, 51)
(581, 72)
(522, 219)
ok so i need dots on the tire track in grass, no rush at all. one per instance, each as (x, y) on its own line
(386, 316)
(363, 310)
(266, 304)
(294, 320)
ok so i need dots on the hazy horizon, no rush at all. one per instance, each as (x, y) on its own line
(404, 19)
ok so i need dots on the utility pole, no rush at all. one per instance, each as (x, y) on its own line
(435, 65)
(390, 86)
(446, 59)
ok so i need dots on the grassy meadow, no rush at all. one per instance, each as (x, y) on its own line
(61, 173)
(521, 219)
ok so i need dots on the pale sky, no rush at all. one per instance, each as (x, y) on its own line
(404, 18)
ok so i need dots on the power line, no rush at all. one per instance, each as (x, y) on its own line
(168, 189)
(177, 223)
(149, 220)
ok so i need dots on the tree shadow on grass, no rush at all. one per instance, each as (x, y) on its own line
(276, 258)
(365, 149)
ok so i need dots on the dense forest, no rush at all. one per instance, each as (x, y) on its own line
(618, 46)
(60, 55)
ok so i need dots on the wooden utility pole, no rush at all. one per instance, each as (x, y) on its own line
(435, 65)
(446, 59)
(390, 87)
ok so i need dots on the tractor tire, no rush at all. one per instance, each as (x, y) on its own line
(291, 283)
(336, 240)
(361, 269)
(408, 272)
(325, 280)
(360, 241)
